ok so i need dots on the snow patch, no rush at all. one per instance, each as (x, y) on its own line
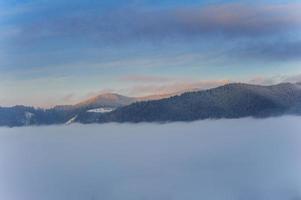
(101, 110)
(70, 121)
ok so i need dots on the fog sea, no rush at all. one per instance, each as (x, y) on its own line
(239, 159)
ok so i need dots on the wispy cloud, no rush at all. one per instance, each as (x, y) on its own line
(145, 78)
(284, 50)
(176, 86)
(270, 80)
(173, 86)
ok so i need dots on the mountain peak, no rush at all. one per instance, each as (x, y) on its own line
(108, 100)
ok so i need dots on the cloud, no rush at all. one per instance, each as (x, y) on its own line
(276, 51)
(295, 78)
(240, 20)
(175, 86)
(69, 98)
(211, 159)
(240, 30)
(127, 24)
(262, 80)
(144, 78)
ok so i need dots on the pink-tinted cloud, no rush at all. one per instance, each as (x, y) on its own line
(173, 87)
(124, 25)
(241, 19)
(177, 86)
(144, 78)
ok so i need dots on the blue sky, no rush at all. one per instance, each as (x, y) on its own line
(59, 52)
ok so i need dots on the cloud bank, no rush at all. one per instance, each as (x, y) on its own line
(221, 159)
(120, 25)
(262, 25)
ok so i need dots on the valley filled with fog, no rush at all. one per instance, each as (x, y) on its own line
(212, 159)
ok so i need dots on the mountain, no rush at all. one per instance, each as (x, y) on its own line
(106, 100)
(24, 115)
(111, 100)
(229, 101)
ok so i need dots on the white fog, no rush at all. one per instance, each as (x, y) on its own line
(243, 159)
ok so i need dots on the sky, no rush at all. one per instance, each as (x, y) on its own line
(60, 52)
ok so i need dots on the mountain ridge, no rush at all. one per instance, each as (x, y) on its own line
(233, 100)
(229, 101)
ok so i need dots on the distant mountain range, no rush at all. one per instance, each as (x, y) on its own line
(233, 100)
(65, 114)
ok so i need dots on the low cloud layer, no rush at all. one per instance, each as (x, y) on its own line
(220, 159)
